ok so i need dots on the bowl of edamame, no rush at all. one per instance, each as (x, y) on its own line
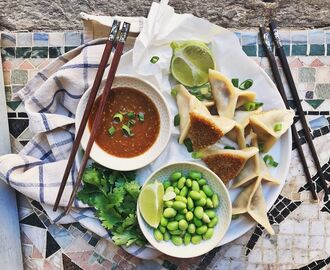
(195, 210)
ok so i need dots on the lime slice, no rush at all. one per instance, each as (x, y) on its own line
(169, 195)
(151, 203)
(190, 63)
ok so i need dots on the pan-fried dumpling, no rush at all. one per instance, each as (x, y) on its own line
(271, 125)
(197, 123)
(253, 168)
(251, 201)
(227, 163)
(241, 129)
(227, 97)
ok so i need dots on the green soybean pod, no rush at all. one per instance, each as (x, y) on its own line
(213, 222)
(183, 225)
(195, 195)
(177, 240)
(201, 182)
(183, 211)
(195, 175)
(167, 236)
(198, 212)
(209, 203)
(166, 184)
(175, 232)
(197, 222)
(189, 216)
(210, 213)
(181, 198)
(196, 239)
(172, 226)
(195, 186)
(176, 176)
(168, 189)
(175, 184)
(201, 202)
(187, 239)
(201, 229)
(179, 217)
(177, 205)
(168, 203)
(190, 203)
(158, 235)
(169, 212)
(177, 191)
(191, 228)
(163, 221)
(208, 234)
(215, 200)
(188, 183)
(181, 182)
(184, 191)
(162, 229)
(206, 218)
(208, 190)
(202, 194)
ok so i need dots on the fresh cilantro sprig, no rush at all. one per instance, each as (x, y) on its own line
(114, 195)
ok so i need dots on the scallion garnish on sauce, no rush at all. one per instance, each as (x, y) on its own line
(126, 130)
(141, 116)
(131, 122)
(154, 59)
(229, 147)
(252, 105)
(196, 155)
(278, 127)
(270, 162)
(112, 131)
(177, 120)
(261, 147)
(118, 117)
(235, 82)
(188, 143)
(131, 115)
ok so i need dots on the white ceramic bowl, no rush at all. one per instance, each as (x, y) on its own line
(224, 212)
(133, 163)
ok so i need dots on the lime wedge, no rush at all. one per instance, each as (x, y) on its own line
(169, 195)
(151, 203)
(190, 63)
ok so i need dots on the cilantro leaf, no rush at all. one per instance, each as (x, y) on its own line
(126, 237)
(109, 218)
(132, 188)
(91, 176)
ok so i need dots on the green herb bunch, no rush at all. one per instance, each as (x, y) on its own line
(114, 195)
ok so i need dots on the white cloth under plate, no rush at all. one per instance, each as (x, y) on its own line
(51, 99)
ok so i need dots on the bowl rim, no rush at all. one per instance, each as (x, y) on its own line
(222, 185)
(134, 165)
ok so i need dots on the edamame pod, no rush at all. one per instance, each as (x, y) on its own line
(203, 194)
(213, 222)
(195, 186)
(181, 182)
(201, 229)
(206, 218)
(201, 182)
(190, 203)
(177, 240)
(198, 212)
(162, 229)
(177, 205)
(215, 200)
(208, 234)
(191, 228)
(179, 217)
(183, 225)
(201, 202)
(168, 203)
(197, 222)
(209, 203)
(166, 184)
(169, 212)
(172, 226)
(188, 183)
(158, 235)
(196, 239)
(176, 176)
(195, 175)
(195, 195)
(210, 213)
(184, 191)
(167, 236)
(207, 190)
(163, 221)
(187, 239)
(181, 198)
(177, 191)
(189, 216)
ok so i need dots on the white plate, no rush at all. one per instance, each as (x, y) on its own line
(235, 64)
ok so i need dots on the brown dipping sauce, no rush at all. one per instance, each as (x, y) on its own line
(124, 99)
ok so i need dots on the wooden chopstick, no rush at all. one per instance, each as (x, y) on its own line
(293, 90)
(97, 81)
(264, 36)
(97, 121)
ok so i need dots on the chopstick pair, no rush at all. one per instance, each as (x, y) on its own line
(112, 42)
(265, 38)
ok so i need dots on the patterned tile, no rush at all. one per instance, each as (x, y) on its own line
(24, 39)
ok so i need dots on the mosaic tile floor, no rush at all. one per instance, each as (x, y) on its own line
(302, 239)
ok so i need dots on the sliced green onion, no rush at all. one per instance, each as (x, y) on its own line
(112, 131)
(246, 84)
(252, 105)
(131, 122)
(229, 147)
(235, 82)
(177, 120)
(235, 216)
(196, 155)
(174, 92)
(188, 143)
(270, 162)
(131, 115)
(126, 130)
(141, 116)
(261, 147)
(278, 127)
(154, 59)
(118, 117)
